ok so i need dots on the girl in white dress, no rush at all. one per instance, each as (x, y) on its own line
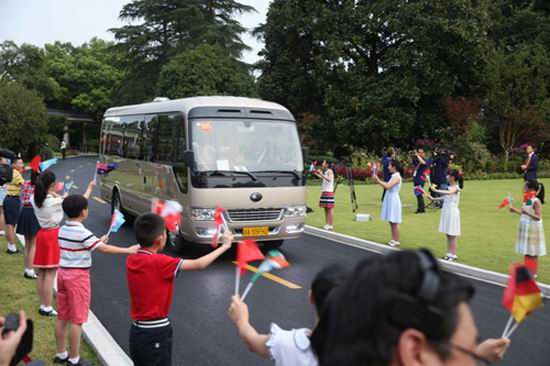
(449, 222)
(530, 242)
(326, 200)
(391, 206)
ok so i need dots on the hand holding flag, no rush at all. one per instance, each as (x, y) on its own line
(219, 225)
(117, 220)
(35, 164)
(505, 202)
(375, 168)
(521, 297)
(247, 251)
(420, 191)
(274, 260)
(170, 211)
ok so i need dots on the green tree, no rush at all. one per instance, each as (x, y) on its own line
(167, 28)
(205, 70)
(26, 64)
(22, 118)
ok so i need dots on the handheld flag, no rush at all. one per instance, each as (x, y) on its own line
(219, 224)
(104, 168)
(505, 202)
(274, 260)
(247, 251)
(60, 187)
(35, 164)
(117, 220)
(521, 297)
(68, 187)
(419, 191)
(375, 168)
(170, 211)
(46, 164)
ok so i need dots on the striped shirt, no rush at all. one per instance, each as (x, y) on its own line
(76, 244)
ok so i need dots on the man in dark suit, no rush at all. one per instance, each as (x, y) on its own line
(421, 163)
(531, 165)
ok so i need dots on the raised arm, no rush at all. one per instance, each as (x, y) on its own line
(450, 191)
(111, 249)
(393, 181)
(420, 159)
(206, 260)
(256, 342)
(90, 189)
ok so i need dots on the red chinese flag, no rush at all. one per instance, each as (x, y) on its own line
(247, 251)
(505, 202)
(218, 224)
(35, 163)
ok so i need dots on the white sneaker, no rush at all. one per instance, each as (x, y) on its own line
(326, 227)
(393, 243)
(331, 227)
(2, 233)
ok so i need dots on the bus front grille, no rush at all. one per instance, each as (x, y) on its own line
(260, 214)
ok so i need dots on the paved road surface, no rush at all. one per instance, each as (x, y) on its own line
(203, 334)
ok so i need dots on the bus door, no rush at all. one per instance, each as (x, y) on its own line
(131, 184)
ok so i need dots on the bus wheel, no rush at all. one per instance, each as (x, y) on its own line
(116, 203)
(174, 243)
(270, 245)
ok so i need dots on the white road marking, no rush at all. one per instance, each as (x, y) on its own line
(72, 171)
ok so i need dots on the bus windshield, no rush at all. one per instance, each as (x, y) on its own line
(246, 146)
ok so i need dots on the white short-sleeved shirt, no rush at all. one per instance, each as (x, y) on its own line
(76, 244)
(290, 347)
(50, 214)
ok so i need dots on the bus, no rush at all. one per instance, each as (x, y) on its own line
(239, 153)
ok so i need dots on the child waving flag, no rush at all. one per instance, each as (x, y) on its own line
(117, 220)
(247, 251)
(274, 260)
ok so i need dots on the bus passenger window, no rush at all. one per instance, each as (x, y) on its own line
(132, 136)
(148, 141)
(165, 148)
(116, 136)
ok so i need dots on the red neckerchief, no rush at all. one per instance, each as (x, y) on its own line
(528, 196)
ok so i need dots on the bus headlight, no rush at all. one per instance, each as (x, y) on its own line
(295, 211)
(202, 214)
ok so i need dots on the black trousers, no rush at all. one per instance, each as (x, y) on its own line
(151, 346)
(421, 205)
(63, 151)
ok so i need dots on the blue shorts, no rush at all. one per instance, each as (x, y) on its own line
(12, 208)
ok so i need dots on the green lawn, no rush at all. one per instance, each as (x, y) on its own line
(20, 293)
(488, 235)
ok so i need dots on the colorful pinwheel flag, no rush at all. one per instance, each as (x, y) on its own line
(274, 260)
(46, 164)
(505, 202)
(35, 164)
(170, 211)
(117, 220)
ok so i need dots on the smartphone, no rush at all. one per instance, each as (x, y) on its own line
(25, 345)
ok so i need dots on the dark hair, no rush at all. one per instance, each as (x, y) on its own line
(537, 187)
(458, 177)
(42, 183)
(325, 281)
(398, 166)
(360, 321)
(147, 228)
(73, 205)
(34, 177)
(329, 163)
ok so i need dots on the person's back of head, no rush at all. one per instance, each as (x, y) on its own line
(327, 279)
(148, 228)
(74, 205)
(42, 184)
(386, 298)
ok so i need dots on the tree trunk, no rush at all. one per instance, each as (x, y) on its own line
(506, 158)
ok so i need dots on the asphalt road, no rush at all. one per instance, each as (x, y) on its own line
(203, 334)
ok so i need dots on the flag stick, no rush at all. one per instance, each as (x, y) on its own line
(512, 330)
(508, 324)
(95, 174)
(247, 290)
(237, 280)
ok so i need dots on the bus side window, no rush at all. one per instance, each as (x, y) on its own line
(132, 137)
(181, 146)
(116, 136)
(148, 141)
(164, 151)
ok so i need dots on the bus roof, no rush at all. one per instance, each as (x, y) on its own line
(186, 104)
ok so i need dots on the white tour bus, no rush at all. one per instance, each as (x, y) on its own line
(242, 154)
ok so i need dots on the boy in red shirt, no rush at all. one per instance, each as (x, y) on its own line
(151, 283)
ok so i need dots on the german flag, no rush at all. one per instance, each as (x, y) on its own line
(522, 295)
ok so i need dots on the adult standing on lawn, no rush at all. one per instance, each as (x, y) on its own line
(63, 148)
(530, 242)
(327, 193)
(421, 165)
(391, 206)
(531, 165)
(387, 158)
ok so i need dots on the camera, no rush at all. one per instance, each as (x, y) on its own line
(6, 172)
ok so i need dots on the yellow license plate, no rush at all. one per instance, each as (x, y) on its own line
(256, 231)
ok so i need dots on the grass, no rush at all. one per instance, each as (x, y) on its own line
(20, 293)
(488, 234)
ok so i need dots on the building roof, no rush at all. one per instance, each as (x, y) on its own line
(70, 116)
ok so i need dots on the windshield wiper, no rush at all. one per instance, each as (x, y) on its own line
(293, 172)
(224, 173)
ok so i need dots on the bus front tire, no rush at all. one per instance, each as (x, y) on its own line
(271, 245)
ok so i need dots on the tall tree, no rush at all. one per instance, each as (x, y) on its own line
(168, 27)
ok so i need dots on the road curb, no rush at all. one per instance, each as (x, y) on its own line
(458, 268)
(104, 345)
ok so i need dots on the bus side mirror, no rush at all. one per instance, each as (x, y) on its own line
(305, 154)
(189, 158)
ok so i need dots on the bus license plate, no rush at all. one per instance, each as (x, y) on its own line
(256, 231)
